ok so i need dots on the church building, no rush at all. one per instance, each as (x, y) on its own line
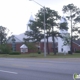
(15, 41)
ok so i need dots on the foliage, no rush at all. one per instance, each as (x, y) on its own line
(31, 45)
(39, 52)
(78, 51)
(63, 26)
(33, 36)
(72, 14)
(4, 49)
(14, 53)
(67, 39)
(37, 26)
(3, 35)
(69, 52)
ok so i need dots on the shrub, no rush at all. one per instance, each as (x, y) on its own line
(31, 45)
(39, 52)
(78, 51)
(4, 49)
(69, 52)
(15, 53)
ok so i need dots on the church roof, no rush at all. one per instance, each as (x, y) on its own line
(21, 36)
(49, 39)
(13, 37)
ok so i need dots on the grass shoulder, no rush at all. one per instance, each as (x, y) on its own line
(36, 55)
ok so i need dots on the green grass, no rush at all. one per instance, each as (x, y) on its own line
(36, 55)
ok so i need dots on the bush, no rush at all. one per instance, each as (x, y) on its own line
(31, 45)
(15, 53)
(4, 49)
(69, 52)
(39, 52)
(78, 51)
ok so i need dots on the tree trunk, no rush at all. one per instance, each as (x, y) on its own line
(71, 34)
(53, 35)
(47, 45)
(54, 45)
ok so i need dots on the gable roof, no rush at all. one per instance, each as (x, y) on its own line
(15, 38)
(21, 36)
(23, 46)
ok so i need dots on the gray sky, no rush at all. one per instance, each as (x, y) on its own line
(14, 14)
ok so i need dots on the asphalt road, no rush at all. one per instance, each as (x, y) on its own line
(38, 69)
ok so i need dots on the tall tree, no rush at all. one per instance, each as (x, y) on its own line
(51, 19)
(3, 35)
(73, 16)
(35, 35)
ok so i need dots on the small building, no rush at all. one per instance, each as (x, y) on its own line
(23, 48)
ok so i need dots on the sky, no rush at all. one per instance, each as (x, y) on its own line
(14, 14)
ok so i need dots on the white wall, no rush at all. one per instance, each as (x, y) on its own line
(61, 45)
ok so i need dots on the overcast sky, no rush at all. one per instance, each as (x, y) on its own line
(14, 14)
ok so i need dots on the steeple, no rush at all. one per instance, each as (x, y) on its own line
(31, 18)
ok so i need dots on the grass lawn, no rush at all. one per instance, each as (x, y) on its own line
(36, 55)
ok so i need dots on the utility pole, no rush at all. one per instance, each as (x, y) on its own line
(44, 28)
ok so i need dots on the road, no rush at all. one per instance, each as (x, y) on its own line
(38, 69)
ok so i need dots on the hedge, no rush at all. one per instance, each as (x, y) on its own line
(15, 53)
(78, 51)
